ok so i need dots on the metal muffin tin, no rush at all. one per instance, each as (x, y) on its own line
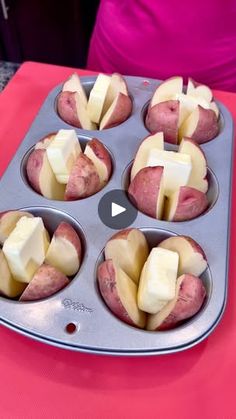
(97, 330)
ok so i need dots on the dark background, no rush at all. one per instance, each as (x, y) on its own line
(50, 31)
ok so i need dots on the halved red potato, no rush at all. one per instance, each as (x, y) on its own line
(73, 84)
(100, 157)
(189, 297)
(128, 249)
(83, 180)
(8, 221)
(146, 191)
(185, 204)
(192, 259)
(118, 112)
(164, 117)
(64, 252)
(117, 85)
(71, 108)
(46, 281)
(120, 294)
(41, 177)
(149, 143)
(201, 125)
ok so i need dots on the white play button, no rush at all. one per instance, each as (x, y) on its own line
(116, 209)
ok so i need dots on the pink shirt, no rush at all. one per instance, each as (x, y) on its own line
(163, 38)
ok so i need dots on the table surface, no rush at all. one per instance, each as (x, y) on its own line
(40, 381)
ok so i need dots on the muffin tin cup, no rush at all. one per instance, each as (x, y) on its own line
(77, 317)
(83, 140)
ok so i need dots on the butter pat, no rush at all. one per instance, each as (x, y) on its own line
(97, 97)
(62, 153)
(158, 280)
(25, 248)
(177, 168)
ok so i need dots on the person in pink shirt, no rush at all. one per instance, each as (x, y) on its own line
(163, 38)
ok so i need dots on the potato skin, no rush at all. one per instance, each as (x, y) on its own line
(108, 289)
(144, 189)
(33, 168)
(190, 299)
(66, 108)
(207, 127)
(191, 203)
(121, 112)
(41, 176)
(46, 281)
(83, 181)
(66, 231)
(101, 153)
(164, 117)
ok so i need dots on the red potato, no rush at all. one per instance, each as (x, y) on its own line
(8, 286)
(201, 125)
(66, 108)
(128, 249)
(117, 85)
(8, 221)
(164, 117)
(192, 259)
(198, 174)
(146, 191)
(167, 89)
(46, 281)
(41, 176)
(64, 252)
(73, 84)
(185, 204)
(71, 109)
(149, 143)
(118, 112)
(100, 157)
(83, 181)
(120, 294)
(190, 295)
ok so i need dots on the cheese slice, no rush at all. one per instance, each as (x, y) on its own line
(97, 97)
(25, 248)
(62, 153)
(158, 280)
(177, 168)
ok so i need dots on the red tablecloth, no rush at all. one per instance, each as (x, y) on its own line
(39, 381)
